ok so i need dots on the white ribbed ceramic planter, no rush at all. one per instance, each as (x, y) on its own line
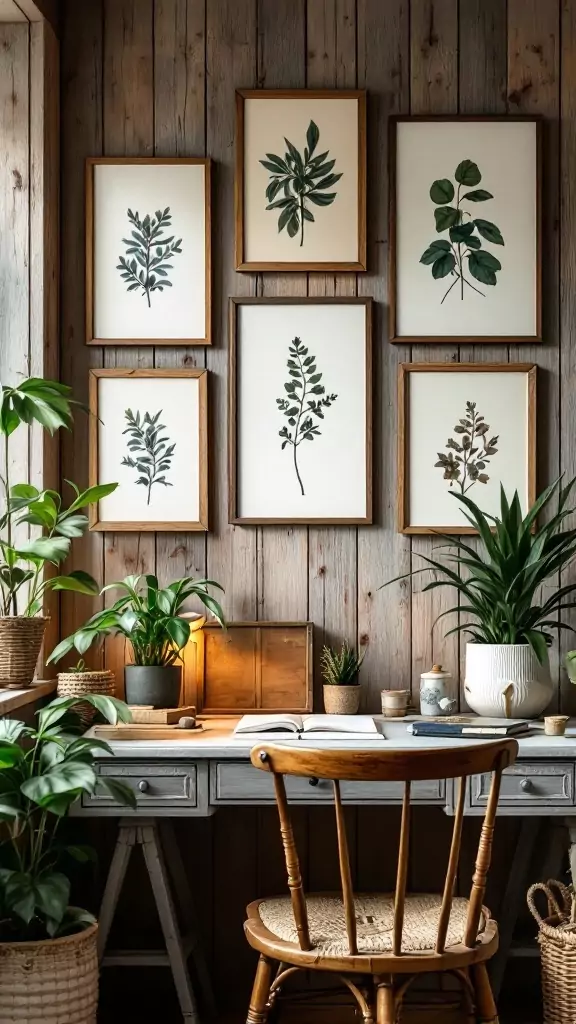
(492, 670)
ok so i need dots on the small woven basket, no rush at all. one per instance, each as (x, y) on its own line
(341, 700)
(76, 684)
(50, 982)
(20, 642)
(557, 939)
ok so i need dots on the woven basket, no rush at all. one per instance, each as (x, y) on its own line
(20, 642)
(50, 982)
(557, 939)
(76, 684)
(341, 700)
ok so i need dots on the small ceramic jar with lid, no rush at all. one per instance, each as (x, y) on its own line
(434, 693)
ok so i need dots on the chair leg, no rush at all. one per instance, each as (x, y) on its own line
(259, 1005)
(385, 1004)
(486, 1011)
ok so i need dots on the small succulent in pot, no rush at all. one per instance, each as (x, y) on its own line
(340, 670)
(153, 621)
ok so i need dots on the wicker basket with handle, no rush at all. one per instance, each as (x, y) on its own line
(76, 684)
(50, 982)
(557, 939)
(20, 642)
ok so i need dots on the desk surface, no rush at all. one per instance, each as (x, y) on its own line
(216, 741)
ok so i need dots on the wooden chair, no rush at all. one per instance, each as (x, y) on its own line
(378, 944)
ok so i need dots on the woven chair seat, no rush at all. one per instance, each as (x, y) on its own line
(374, 922)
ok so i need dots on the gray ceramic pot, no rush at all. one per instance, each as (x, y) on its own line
(155, 685)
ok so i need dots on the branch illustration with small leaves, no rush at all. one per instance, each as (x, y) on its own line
(146, 264)
(151, 455)
(468, 457)
(305, 402)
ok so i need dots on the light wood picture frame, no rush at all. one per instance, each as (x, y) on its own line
(483, 285)
(137, 291)
(277, 227)
(271, 479)
(487, 409)
(149, 433)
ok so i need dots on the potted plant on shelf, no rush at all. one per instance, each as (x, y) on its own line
(23, 559)
(153, 622)
(79, 680)
(48, 959)
(341, 684)
(499, 586)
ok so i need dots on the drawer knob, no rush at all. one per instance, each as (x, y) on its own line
(526, 785)
(313, 782)
(143, 785)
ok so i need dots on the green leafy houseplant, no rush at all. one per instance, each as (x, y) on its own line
(341, 668)
(148, 253)
(499, 586)
(147, 616)
(306, 401)
(23, 561)
(43, 771)
(463, 248)
(301, 179)
(150, 454)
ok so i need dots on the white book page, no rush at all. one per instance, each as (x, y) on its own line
(363, 725)
(268, 723)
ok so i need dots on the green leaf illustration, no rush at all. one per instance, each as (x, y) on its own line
(148, 252)
(300, 409)
(150, 453)
(463, 251)
(299, 180)
(469, 453)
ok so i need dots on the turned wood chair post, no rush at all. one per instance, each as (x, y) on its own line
(483, 858)
(345, 873)
(452, 870)
(402, 872)
(292, 864)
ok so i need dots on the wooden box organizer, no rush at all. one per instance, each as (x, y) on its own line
(251, 666)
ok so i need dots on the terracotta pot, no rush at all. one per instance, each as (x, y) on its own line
(51, 981)
(20, 643)
(75, 684)
(341, 700)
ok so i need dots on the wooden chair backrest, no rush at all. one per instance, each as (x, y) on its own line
(381, 765)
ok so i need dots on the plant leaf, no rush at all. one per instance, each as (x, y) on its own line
(467, 173)
(442, 191)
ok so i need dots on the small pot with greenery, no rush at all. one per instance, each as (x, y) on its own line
(25, 553)
(502, 601)
(156, 627)
(340, 671)
(44, 769)
(79, 679)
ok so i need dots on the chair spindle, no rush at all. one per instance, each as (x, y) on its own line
(292, 864)
(402, 873)
(345, 874)
(483, 858)
(452, 869)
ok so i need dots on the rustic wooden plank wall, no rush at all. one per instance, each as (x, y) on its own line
(158, 76)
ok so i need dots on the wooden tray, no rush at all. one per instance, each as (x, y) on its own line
(144, 732)
(251, 666)
(147, 715)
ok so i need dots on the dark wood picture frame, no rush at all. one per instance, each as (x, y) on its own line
(337, 94)
(404, 372)
(233, 515)
(93, 162)
(437, 339)
(150, 526)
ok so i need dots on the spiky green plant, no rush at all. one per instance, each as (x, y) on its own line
(341, 668)
(499, 586)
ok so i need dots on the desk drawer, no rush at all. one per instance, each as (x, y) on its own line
(155, 785)
(528, 784)
(236, 782)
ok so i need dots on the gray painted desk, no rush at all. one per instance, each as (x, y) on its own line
(194, 777)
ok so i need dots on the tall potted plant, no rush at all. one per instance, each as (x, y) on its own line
(23, 559)
(48, 959)
(503, 610)
(152, 621)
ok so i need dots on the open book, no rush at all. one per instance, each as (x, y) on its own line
(316, 727)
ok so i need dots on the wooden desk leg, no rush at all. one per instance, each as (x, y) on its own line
(148, 837)
(190, 918)
(514, 898)
(116, 875)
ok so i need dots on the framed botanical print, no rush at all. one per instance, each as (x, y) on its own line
(464, 428)
(465, 231)
(148, 251)
(148, 432)
(300, 410)
(300, 179)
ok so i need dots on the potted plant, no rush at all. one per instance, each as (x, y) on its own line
(504, 611)
(48, 959)
(153, 622)
(341, 684)
(23, 581)
(79, 680)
